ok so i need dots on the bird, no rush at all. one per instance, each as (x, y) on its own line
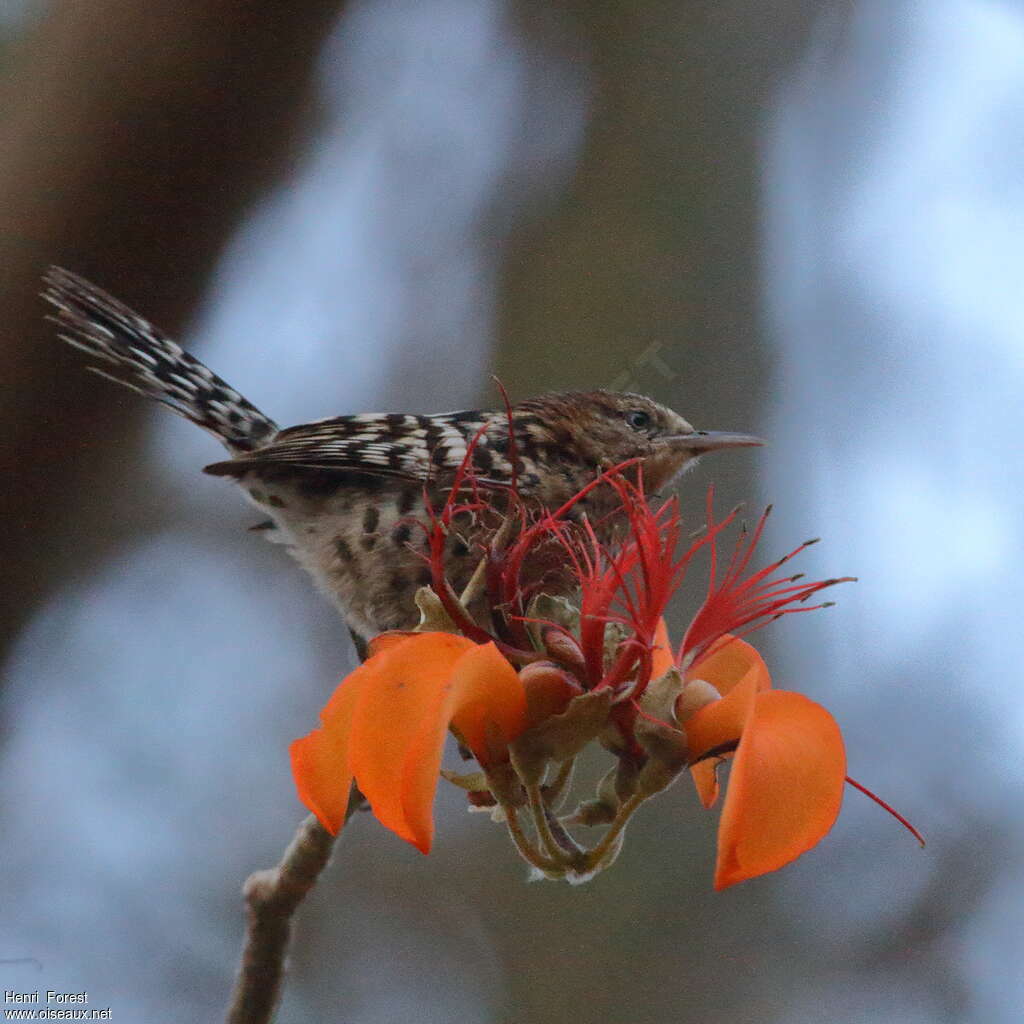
(346, 495)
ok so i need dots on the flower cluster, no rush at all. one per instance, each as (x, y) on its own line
(538, 678)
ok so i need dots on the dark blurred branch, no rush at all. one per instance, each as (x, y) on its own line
(133, 138)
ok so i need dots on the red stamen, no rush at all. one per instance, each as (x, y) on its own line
(885, 807)
(631, 584)
(548, 524)
(513, 450)
(734, 602)
(437, 535)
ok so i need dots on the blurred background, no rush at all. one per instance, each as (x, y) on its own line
(801, 219)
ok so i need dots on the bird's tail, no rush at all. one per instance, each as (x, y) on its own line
(138, 356)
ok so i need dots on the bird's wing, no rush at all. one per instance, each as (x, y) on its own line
(381, 444)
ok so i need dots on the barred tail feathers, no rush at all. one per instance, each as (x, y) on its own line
(139, 357)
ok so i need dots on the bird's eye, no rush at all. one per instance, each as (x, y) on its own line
(638, 419)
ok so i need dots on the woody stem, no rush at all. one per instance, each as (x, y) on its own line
(272, 897)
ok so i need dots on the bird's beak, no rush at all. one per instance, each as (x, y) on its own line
(701, 441)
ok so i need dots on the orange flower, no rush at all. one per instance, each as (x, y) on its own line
(786, 782)
(789, 760)
(601, 674)
(386, 723)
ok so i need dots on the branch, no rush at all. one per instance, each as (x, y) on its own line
(272, 896)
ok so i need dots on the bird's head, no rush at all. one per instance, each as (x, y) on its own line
(610, 427)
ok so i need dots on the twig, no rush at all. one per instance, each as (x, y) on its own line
(272, 896)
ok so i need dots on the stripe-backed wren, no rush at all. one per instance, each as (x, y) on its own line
(345, 494)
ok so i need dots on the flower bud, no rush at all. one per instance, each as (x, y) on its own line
(560, 737)
(563, 648)
(696, 694)
(548, 691)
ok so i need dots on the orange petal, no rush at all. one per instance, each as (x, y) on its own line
(718, 724)
(705, 778)
(661, 656)
(401, 698)
(385, 641)
(785, 786)
(322, 777)
(715, 726)
(320, 761)
(487, 699)
(728, 662)
(484, 699)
